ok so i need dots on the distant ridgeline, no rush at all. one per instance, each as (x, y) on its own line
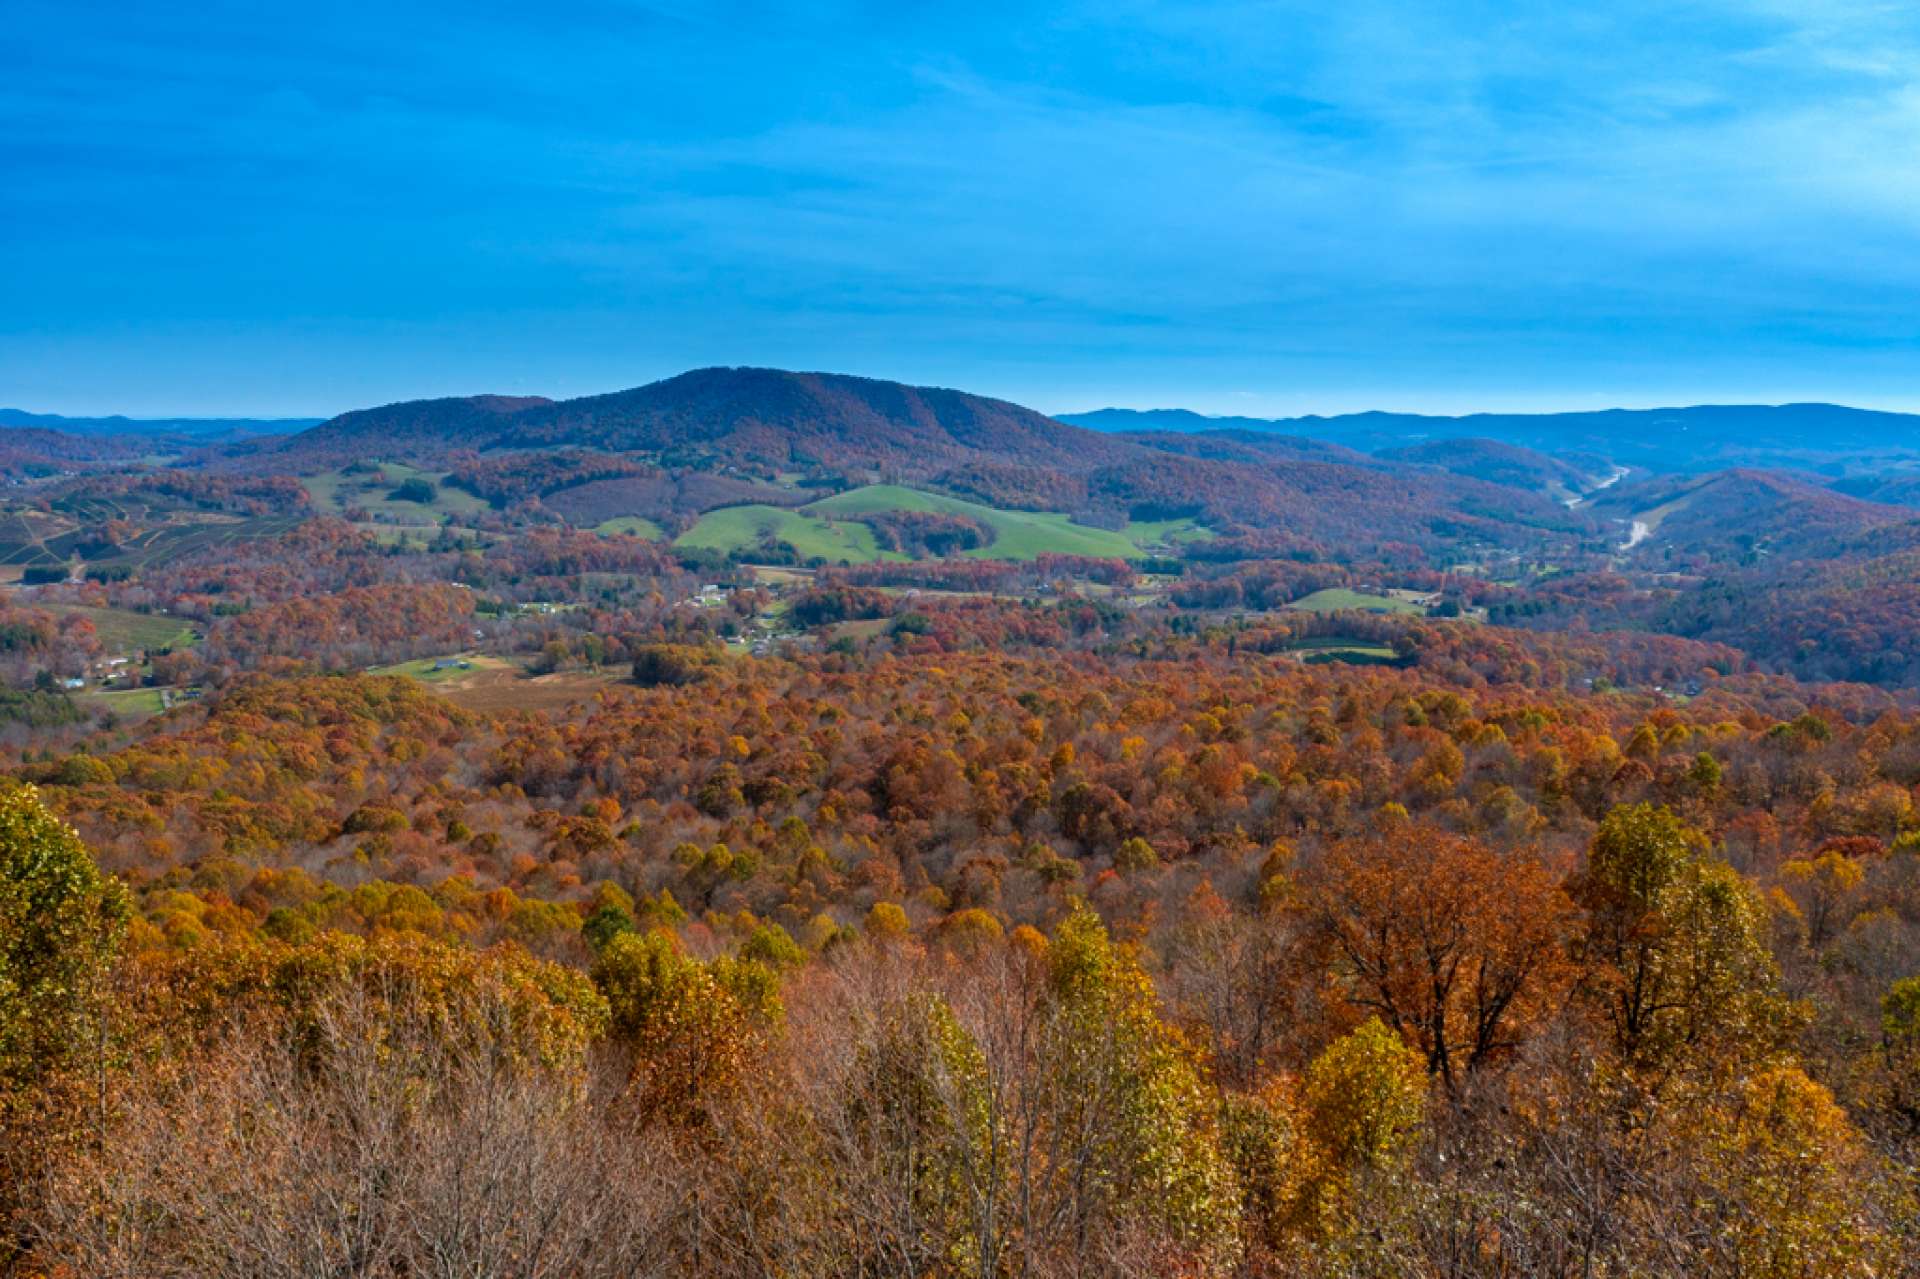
(1700, 437)
(200, 429)
(776, 441)
(1788, 532)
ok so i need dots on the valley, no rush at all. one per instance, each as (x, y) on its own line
(831, 704)
(1230, 519)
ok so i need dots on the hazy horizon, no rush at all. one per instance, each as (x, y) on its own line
(1227, 404)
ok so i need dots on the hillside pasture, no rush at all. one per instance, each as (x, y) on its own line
(1335, 648)
(831, 529)
(419, 537)
(128, 704)
(496, 686)
(123, 631)
(1017, 535)
(1168, 534)
(1338, 599)
(741, 528)
(334, 492)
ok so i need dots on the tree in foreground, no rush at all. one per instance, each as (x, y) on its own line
(61, 922)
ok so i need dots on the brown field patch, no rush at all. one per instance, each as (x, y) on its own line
(497, 690)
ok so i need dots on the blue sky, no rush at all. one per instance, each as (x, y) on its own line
(1242, 207)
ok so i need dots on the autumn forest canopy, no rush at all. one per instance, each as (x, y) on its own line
(786, 824)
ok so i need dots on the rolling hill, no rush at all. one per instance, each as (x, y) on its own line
(1896, 488)
(829, 419)
(1251, 446)
(30, 452)
(740, 424)
(1508, 465)
(411, 431)
(766, 416)
(1742, 512)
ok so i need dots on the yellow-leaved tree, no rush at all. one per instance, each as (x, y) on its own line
(61, 922)
(1784, 1167)
(1676, 945)
(693, 1027)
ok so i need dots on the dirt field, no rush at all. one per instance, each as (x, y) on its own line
(494, 689)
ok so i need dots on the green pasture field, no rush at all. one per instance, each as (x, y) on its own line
(1338, 598)
(124, 631)
(334, 491)
(830, 528)
(128, 703)
(739, 528)
(1018, 535)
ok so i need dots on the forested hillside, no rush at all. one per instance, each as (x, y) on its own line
(1011, 937)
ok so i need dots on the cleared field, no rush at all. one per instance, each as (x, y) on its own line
(25, 541)
(773, 576)
(1338, 598)
(1355, 655)
(1340, 649)
(736, 528)
(495, 685)
(497, 691)
(1018, 535)
(831, 530)
(1652, 516)
(866, 628)
(440, 670)
(632, 526)
(127, 703)
(335, 491)
(171, 541)
(1150, 533)
(32, 540)
(123, 631)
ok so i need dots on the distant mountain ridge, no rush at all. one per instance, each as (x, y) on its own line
(454, 422)
(759, 424)
(1740, 511)
(199, 429)
(1277, 486)
(763, 415)
(1694, 437)
(1511, 465)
